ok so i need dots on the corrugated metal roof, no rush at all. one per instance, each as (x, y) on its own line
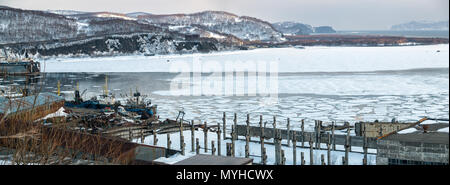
(25, 103)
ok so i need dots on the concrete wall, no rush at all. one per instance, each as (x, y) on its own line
(414, 151)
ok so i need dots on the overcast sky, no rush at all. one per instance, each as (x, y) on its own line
(341, 14)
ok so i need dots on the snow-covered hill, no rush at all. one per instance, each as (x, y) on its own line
(293, 28)
(243, 27)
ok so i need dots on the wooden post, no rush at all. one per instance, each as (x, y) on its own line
(235, 121)
(155, 139)
(229, 149)
(347, 145)
(213, 149)
(332, 136)
(247, 138)
(311, 149)
(302, 158)
(182, 145)
(349, 139)
(303, 133)
(283, 158)
(319, 133)
(218, 140)
(294, 148)
(168, 141)
(277, 141)
(205, 132)
(261, 138)
(288, 132)
(364, 145)
(264, 157)
(181, 136)
(322, 159)
(328, 154)
(247, 149)
(274, 124)
(197, 144)
(192, 136)
(233, 143)
(224, 126)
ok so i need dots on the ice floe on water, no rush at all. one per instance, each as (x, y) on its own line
(341, 84)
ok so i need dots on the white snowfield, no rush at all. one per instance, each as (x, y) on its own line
(310, 59)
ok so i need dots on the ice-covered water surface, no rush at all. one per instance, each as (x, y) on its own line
(310, 59)
(324, 83)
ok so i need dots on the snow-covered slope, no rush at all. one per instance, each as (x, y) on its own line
(293, 28)
(243, 27)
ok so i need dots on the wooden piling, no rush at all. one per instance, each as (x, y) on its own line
(328, 153)
(364, 145)
(247, 149)
(233, 138)
(183, 145)
(277, 141)
(294, 148)
(192, 136)
(264, 156)
(288, 132)
(218, 140)
(261, 138)
(181, 135)
(213, 148)
(302, 158)
(303, 133)
(229, 149)
(168, 141)
(319, 134)
(224, 126)
(197, 144)
(311, 151)
(155, 138)
(274, 124)
(247, 137)
(235, 120)
(347, 144)
(332, 135)
(205, 132)
(322, 159)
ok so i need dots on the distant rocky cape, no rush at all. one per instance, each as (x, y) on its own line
(296, 28)
(422, 26)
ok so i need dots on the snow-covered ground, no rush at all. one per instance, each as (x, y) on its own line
(311, 59)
